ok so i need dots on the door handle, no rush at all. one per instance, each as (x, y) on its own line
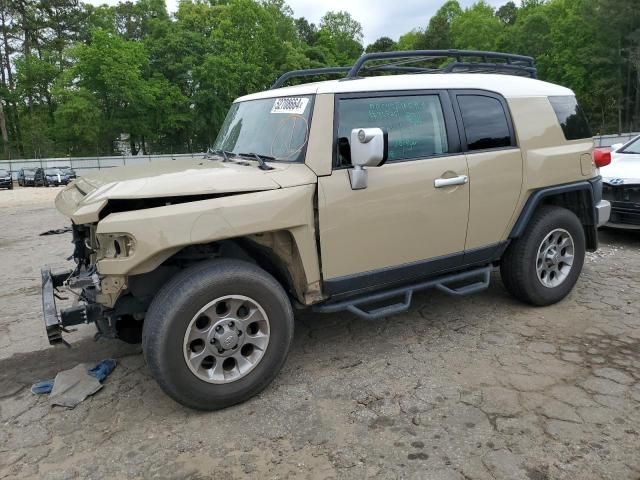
(447, 182)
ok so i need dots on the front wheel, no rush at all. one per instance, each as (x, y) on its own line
(542, 266)
(217, 333)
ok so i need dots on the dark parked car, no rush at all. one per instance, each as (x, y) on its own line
(71, 173)
(55, 177)
(5, 179)
(31, 177)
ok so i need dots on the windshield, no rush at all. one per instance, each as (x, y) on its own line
(4, 173)
(631, 147)
(274, 127)
(52, 171)
(29, 171)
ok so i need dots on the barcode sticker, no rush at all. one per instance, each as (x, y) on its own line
(291, 105)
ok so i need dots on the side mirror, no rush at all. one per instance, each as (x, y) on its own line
(369, 148)
(616, 146)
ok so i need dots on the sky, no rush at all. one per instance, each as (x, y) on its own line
(378, 17)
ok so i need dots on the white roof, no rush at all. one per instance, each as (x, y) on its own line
(508, 86)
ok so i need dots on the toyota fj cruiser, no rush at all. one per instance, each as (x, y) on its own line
(347, 194)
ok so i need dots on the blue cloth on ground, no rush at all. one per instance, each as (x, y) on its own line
(45, 386)
(101, 371)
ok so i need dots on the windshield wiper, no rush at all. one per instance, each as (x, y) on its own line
(221, 153)
(262, 165)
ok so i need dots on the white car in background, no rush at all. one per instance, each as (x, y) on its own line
(621, 184)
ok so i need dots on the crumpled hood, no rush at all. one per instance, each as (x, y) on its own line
(623, 166)
(175, 178)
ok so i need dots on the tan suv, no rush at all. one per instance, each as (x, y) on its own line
(349, 194)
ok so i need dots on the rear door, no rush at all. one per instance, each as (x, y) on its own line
(495, 169)
(401, 226)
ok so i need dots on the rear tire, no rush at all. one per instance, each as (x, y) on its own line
(542, 266)
(217, 380)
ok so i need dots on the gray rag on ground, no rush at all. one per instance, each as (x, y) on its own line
(72, 386)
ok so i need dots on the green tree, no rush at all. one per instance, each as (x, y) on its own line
(244, 54)
(382, 44)
(476, 28)
(307, 32)
(412, 40)
(341, 35)
(112, 70)
(78, 123)
(438, 33)
(508, 13)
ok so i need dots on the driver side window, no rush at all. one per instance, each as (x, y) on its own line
(415, 125)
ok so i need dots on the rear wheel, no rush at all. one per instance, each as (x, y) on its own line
(542, 266)
(217, 333)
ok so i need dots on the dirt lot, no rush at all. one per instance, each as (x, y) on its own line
(478, 388)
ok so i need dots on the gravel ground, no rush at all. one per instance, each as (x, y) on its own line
(481, 387)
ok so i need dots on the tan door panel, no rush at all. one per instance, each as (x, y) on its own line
(495, 179)
(400, 218)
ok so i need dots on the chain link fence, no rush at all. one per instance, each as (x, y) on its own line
(608, 140)
(85, 165)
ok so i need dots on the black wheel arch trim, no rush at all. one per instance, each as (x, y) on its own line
(592, 187)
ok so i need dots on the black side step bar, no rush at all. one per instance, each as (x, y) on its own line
(478, 280)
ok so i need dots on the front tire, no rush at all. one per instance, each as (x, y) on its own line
(217, 333)
(542, 266)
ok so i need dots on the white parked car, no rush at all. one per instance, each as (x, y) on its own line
(621, 184)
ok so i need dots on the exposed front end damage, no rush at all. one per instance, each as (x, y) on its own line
(83, 282)
(124, 251)
(57, 323)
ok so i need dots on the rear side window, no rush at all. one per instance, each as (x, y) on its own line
(485, 122)
(571, 117)
(631, 147)
(415, 125)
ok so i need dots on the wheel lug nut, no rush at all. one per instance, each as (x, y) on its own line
(212, 341)
(218, 329)
(220, 350)
(231, 324)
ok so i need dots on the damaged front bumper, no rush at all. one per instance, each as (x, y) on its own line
(57, 323)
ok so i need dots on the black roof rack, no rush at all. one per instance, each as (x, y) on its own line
(463, 61)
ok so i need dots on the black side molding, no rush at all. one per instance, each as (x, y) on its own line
(409, 273)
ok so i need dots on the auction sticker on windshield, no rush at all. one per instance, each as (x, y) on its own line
(291, 105)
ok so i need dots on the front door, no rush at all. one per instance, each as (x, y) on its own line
(408, 222)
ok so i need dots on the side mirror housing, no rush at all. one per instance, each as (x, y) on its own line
(369, 148)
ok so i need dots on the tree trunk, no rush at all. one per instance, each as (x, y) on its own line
(636, 116)
(627, 95)
(132, 145)
(3, 130)
(7, 52)
(12, 109)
